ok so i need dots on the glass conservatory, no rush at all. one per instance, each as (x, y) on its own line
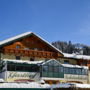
(54, 69)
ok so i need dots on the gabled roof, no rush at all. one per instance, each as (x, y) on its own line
(5, 42)
(14, 38)
(64, 65)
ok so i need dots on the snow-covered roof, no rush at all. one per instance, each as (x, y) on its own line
(74, 66)
(21, 61)
(42, 62)
(75, 56)
(47, 61)
(14, 38)
(26, 34)
(65, 65)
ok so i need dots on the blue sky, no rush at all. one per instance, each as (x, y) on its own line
(64, 20)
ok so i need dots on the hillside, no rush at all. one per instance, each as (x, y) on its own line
(69, 47)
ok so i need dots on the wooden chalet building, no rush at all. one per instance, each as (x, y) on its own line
(28, 57)
(28, 46)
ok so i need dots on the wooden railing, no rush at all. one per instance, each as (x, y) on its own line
(33, 53)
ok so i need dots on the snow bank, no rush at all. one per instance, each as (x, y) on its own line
(24, 85)
(38, 85)
(68, 85)
(82, 85)
(63, 85)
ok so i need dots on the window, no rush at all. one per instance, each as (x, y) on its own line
(45, 68)
(18, 57)
(31, 59)
(51, 68)
(85, 71)
(19, 68)
(11, 67)
(66, 62)
(61, 69)
(83, 63)
(66, 70)
(78, 71)
(56, 68)
(25, 68)
(18, 46)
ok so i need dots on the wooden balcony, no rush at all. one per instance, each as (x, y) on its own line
(32, 53)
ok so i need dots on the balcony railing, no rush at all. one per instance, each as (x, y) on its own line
(33, 53)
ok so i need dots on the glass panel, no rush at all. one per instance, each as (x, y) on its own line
(60, 69)
(56, 69)
(86, 71)
(78, 71)
(71, 71)
(61, 75)
(19, 68)
(66, 70)
(44, 74)
(50, 74)
(33, 68)
(51, 69)
(11, 67)
(45, 68)
(75, 71)
(56, 63)
(50, 63)
(56, 74)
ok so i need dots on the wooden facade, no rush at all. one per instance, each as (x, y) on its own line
(30, 46)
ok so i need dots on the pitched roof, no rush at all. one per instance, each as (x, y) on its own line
(14, 38)
(4, 42)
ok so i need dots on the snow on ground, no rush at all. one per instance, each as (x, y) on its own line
(68, 85)
(61, 85)
(82, 85)
(38, 85)
(24, 85)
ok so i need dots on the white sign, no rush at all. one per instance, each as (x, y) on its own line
(22, 75)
